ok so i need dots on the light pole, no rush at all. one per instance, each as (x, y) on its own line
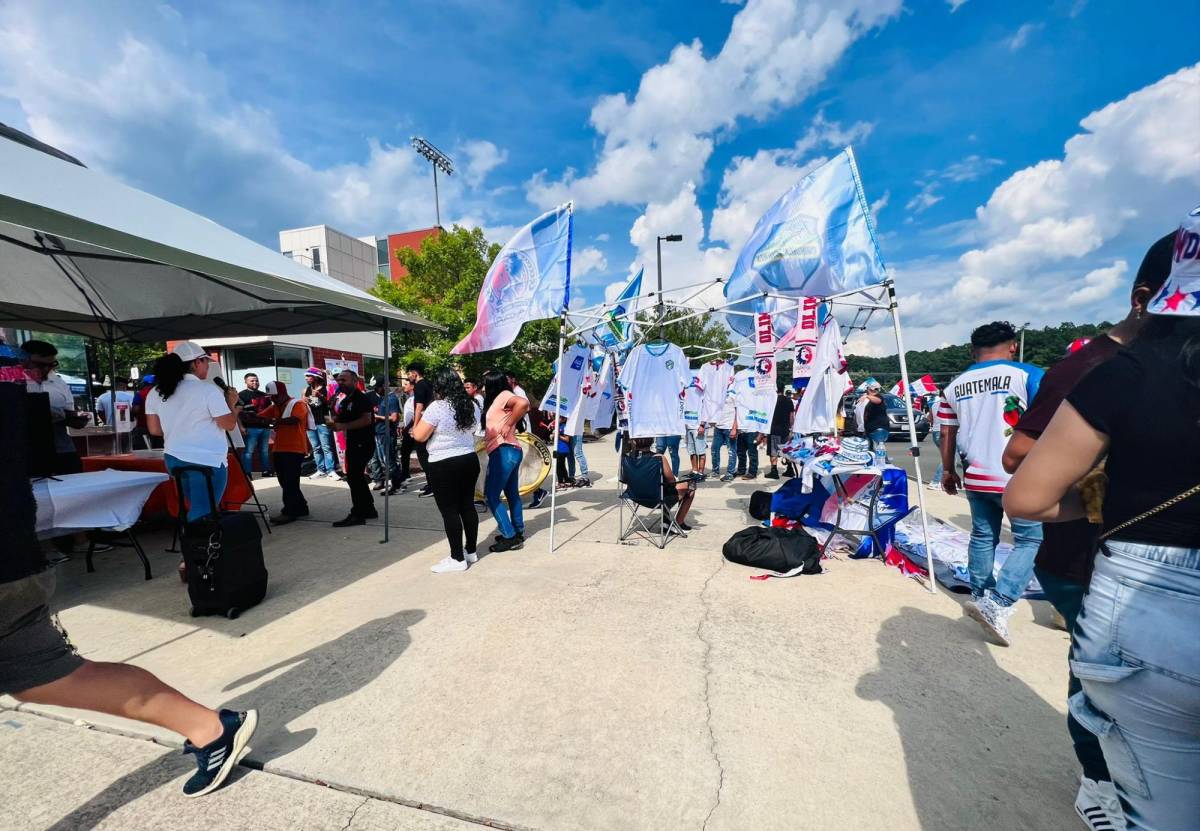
(658, 247)
(1024, 326)
(437, 159)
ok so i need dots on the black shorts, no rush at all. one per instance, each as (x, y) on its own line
(33, 649)
(670, 496)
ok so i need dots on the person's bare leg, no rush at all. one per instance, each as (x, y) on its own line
(685, 502)
(130, 692)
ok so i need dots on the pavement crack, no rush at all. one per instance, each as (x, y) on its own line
(712, 738)
(354, 813)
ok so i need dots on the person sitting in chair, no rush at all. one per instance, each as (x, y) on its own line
(674, 491)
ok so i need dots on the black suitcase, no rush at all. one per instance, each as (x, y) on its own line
(223, 555)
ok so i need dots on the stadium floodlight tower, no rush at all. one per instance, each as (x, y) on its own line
(439, 161)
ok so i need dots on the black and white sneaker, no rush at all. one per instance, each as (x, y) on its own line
(215, 761)
(539, 496)
(1099, 806)
(425, 492)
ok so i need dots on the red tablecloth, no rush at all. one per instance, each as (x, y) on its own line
(164, 497)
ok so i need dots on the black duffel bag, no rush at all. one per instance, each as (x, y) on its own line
(775, 549)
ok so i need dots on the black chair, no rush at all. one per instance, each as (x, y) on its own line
(641, 490)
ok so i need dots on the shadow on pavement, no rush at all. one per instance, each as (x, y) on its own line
(982, 749)
(319, 676)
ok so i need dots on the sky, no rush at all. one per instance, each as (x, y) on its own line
(1019, 157)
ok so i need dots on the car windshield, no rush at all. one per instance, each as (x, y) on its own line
(893, 402)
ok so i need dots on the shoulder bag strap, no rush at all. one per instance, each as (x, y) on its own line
(1157, 509)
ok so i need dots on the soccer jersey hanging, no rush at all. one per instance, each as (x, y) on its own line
(715, 379)
(653, 377)
(693, 397)
(575, 359)
(754, 398)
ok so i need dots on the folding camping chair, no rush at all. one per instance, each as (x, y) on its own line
(641, 491)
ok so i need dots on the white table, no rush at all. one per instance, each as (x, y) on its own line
(106, 500)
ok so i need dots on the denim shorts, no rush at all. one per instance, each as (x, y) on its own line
(33, 649)
(696, 443)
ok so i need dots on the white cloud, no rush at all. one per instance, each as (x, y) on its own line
(824, 133)
(586, 260)
(1098, 284)
(955, 5)
(125, 88)
(654, 143)
(482, 158)
(1022, 35)
(601, 237)
(878, 205)
(924, 200)
(969, 168)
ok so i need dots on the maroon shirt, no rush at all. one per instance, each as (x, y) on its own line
(1067, 547)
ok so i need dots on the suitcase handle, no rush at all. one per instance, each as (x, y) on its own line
(206, 472)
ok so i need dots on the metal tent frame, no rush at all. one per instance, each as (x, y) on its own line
(866, 302)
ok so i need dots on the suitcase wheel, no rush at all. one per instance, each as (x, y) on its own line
(232, 613)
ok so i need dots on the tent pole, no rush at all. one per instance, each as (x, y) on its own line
(562, 337)
(391, 445)
(112, 387)
(914, 449)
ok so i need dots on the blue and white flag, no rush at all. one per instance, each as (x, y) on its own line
(815, 241)
(615, 330)
(530, 279)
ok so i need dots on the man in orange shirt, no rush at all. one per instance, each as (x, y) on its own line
(291, 421)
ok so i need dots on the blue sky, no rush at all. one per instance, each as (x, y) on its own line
(1020, 156)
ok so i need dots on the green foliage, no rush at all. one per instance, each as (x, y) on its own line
(443, 284)
(1043, 347)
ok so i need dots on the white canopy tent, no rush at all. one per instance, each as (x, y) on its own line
(83, 254)
(864, 303)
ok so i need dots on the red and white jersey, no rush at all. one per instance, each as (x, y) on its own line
(985, 403)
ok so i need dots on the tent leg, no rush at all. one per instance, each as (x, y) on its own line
(112, 388)
(914, 449)
(562, 343)
(391, 446)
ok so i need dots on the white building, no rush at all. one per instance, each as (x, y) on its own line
(353, 261)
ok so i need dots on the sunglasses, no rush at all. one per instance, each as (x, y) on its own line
(44, 364)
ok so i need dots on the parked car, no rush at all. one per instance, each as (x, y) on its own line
(897, 417)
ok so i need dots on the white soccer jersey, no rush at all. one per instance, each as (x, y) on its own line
(754, 398)
(652, 378)
(715, 379)
(985, 403)
(693, 399)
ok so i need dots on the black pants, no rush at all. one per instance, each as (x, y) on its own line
(402, 468)
(453, 481)
(423, 458)
(287, 471)
(357, 457)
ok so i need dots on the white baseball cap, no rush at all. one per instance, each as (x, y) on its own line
(188, 351)
(275, 388)
(1180, 294)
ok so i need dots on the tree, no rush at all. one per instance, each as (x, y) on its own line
(444, 280)
(1043, 347)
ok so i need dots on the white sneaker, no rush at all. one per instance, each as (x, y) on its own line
(992, 617)
(1099, 806)
(934, 486)
(471, 557)
(449, 564)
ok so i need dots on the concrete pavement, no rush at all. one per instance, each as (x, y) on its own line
(603, 686)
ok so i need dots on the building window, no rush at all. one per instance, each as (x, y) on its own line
(291, 356)
(382, 262)
(316, 259)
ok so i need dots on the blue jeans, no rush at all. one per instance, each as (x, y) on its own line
(259, 437)
(939, 470)
(1137, 654)
(720, 439)
(580, 459)
(1067, 597)
(195, 491)
(321, 442)
(669, 445)
(986, 514)
(747, 451)
(504, 464)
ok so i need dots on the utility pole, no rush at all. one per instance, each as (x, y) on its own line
(658, 247)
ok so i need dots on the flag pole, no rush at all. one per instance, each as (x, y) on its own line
(914, 450)
(562, 337)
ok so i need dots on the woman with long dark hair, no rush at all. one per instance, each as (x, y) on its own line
(1136, 638)
(503, 411)
(448, 426)
(192, 415)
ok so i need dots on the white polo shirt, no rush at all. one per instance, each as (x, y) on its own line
(189, 432)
